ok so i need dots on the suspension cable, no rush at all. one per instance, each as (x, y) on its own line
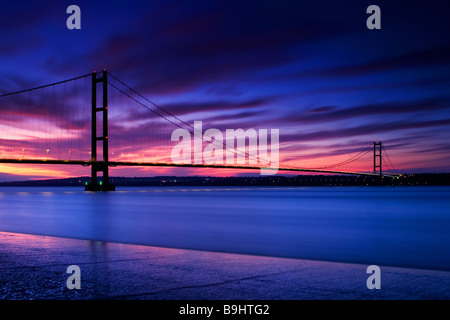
(45, 86)
(182, 121)
(389, 159)
(351, 159)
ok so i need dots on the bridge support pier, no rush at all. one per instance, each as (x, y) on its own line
(97, 166)
(97, 185)
(100, 187)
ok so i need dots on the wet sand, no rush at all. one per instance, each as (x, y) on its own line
(34, 267)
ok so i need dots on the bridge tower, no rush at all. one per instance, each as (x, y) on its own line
(99, 166)
(377, 158)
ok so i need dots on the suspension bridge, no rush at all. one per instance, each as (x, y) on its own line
(55, 124)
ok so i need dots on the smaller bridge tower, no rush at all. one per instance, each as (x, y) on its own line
(377, 158)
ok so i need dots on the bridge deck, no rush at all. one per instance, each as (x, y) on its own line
(157, 164)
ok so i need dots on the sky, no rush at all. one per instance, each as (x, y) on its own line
(312, 70)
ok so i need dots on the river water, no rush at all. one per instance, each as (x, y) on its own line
(396, 226)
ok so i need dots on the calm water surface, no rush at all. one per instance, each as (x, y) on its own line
(400, 226)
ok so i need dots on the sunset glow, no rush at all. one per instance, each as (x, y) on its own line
(330, 85)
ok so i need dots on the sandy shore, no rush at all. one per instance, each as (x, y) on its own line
(34, 267)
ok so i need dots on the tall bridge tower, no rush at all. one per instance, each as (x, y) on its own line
(99, 166)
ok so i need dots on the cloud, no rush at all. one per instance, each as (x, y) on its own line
(175, 47)
(429, 56)
(235, 64)
(366, 129)
(183, 109)
(403, 108)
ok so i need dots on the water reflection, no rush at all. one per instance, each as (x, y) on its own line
(99, 268)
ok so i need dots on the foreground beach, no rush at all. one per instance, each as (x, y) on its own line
(34, 267)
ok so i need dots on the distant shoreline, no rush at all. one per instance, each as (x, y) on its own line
(422, 179)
